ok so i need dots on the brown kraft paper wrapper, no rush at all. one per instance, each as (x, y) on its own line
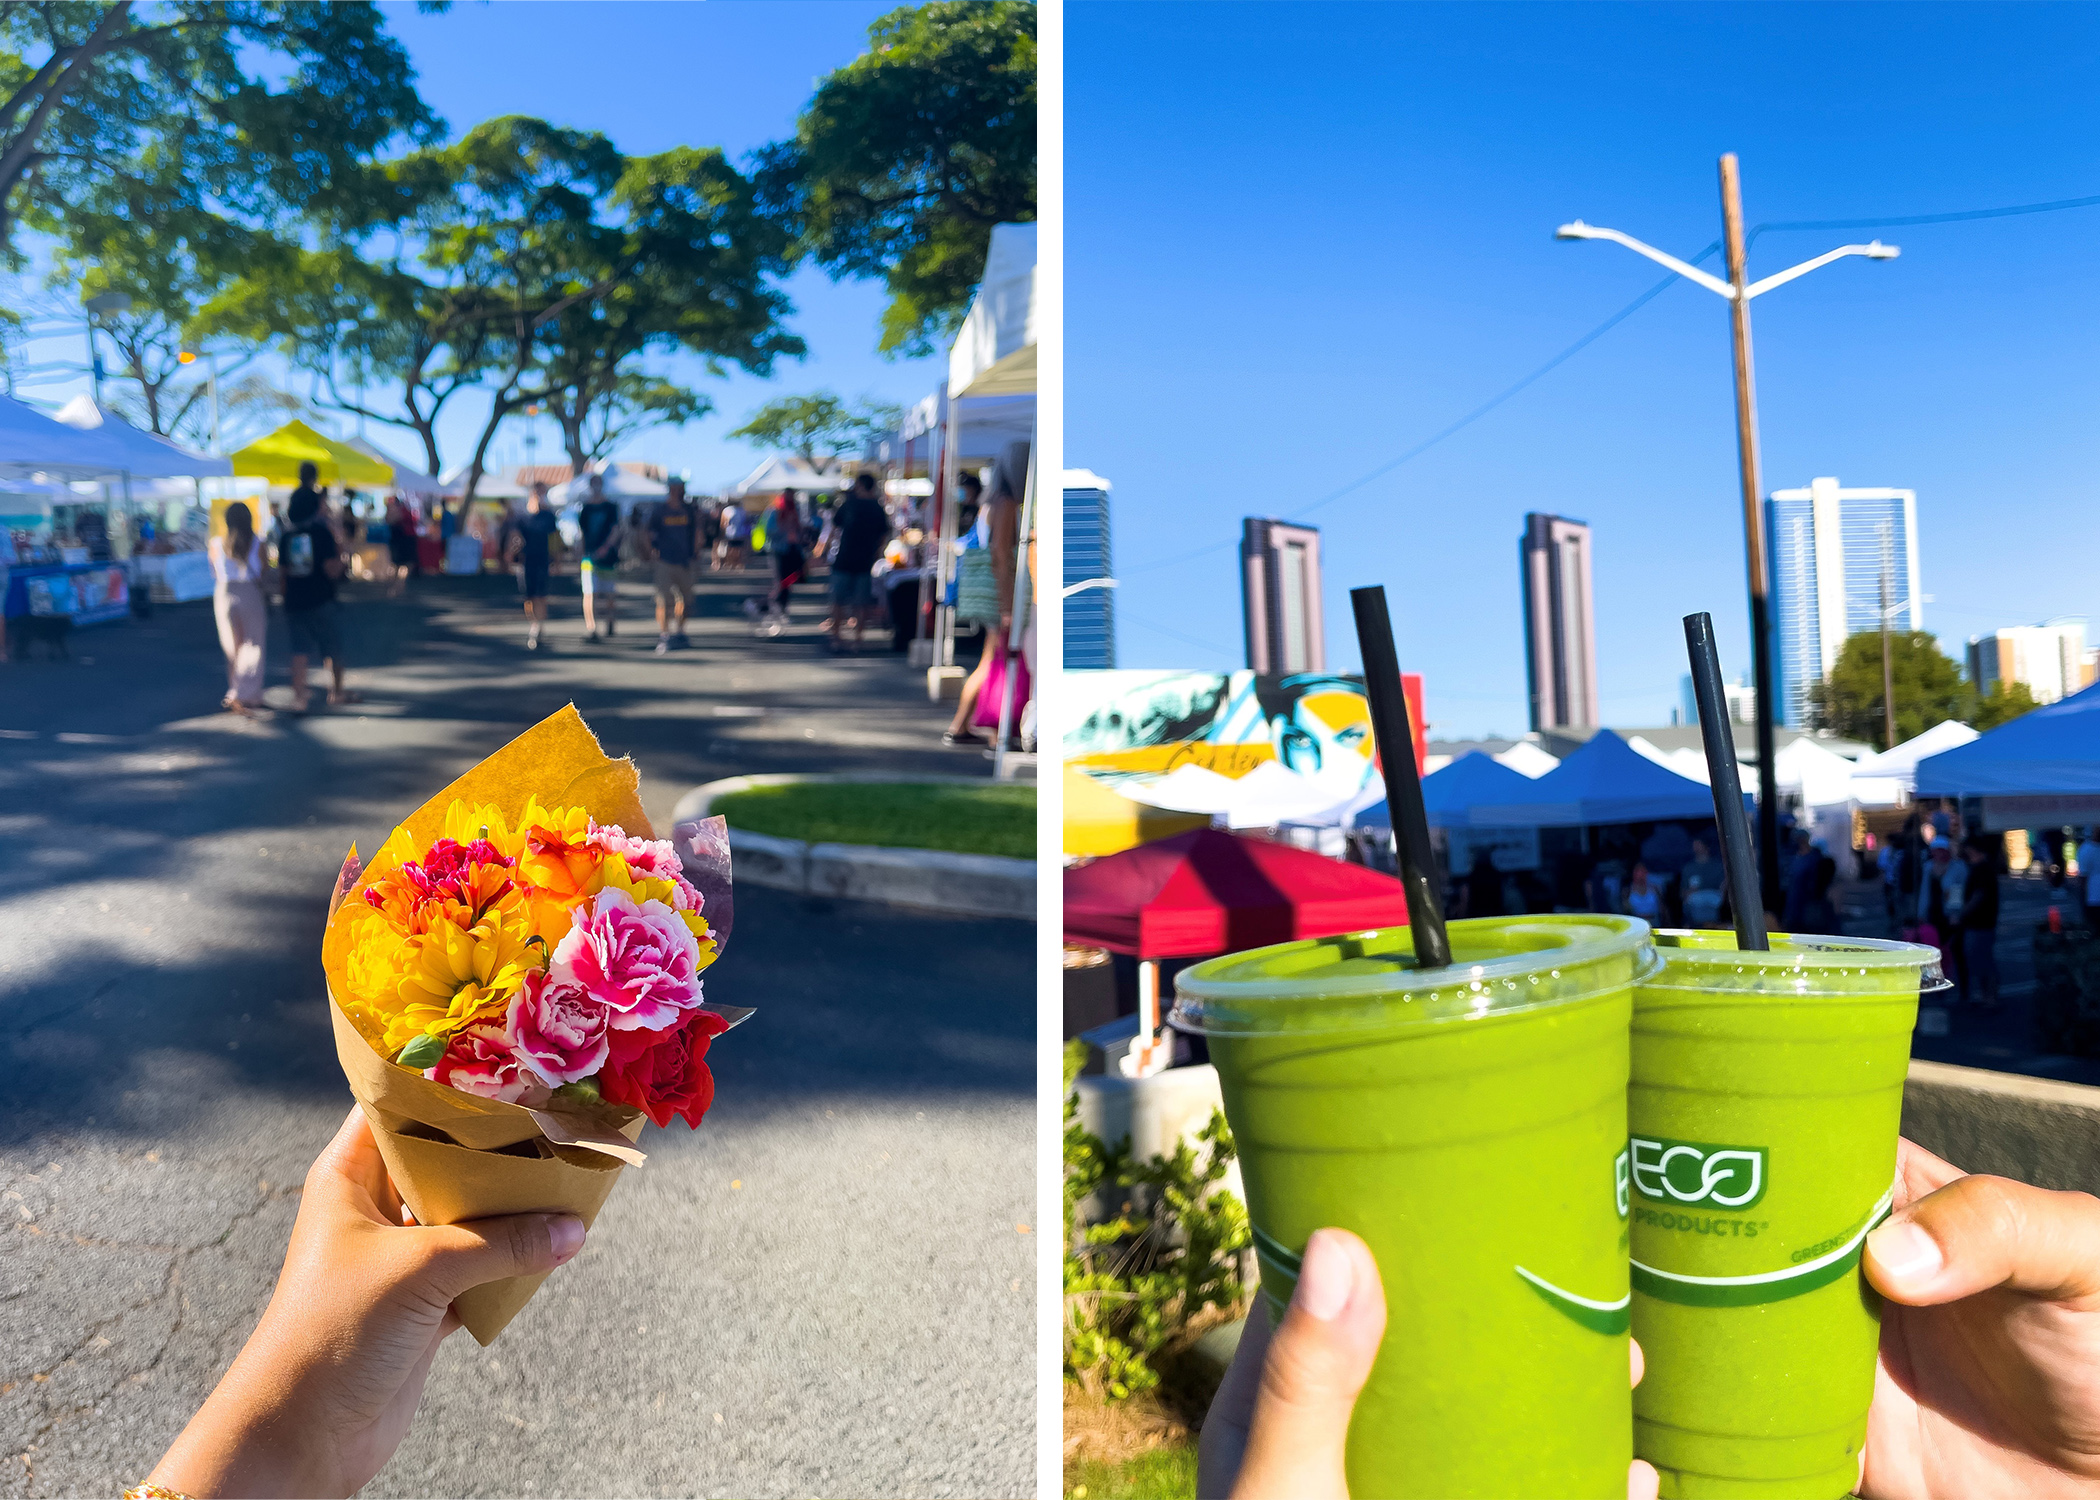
(454, 1156)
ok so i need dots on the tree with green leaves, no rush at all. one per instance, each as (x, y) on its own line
(1929, 688)
(819, 427)
(190, 112)
(2003, 703)
(907, 156)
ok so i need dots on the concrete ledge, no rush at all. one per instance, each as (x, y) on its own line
(977, 885)
(2034, 1130)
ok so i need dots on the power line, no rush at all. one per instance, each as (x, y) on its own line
(1463, 422)
(1888, 222)
(1963, 216)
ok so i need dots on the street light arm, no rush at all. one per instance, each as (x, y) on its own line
(1875, 251)
(1581, 231)
(1091, 583)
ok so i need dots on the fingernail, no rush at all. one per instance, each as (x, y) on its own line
(1905, 1252)
(566, 1235)
(1326, 1278)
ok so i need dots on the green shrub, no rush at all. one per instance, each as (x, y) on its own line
(1173, 1251)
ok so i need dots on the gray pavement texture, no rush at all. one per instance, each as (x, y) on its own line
(826, 1290)
(2005, 1040)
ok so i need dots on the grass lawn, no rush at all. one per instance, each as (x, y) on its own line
(1158, 1474)
(962, 818)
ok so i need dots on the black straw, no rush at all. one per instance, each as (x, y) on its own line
(1403, 779)
(1738, 845)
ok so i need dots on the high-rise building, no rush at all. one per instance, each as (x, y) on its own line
(1090, 614)
(1560, 634)
(2051, 659)
(1838, 558)
(1281, 596)
(1741, 698)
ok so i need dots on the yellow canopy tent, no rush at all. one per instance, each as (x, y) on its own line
(277, 458)
(1097, 821)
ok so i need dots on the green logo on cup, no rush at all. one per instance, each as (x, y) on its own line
(1619, 1174)
(1698, 1172)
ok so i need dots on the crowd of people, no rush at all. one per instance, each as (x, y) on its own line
(302, 552)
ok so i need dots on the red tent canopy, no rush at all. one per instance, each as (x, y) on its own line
(1208, 892)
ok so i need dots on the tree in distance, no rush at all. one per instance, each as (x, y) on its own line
(194, 111)
(906, 157)
(818, 427)
(1929, 689)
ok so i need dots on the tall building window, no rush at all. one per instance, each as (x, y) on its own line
(1090, 614)
(1833, 551)
(1281, 596)
(1560, 635)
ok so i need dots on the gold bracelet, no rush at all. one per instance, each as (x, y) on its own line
(153, 1492)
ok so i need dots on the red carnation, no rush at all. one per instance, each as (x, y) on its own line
(663, 1073)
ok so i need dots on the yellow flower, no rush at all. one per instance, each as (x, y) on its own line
(453, 977)
(618, 875)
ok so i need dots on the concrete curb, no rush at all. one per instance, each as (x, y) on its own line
(976, 885)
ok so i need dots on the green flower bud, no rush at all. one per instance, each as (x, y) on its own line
(422, 1053)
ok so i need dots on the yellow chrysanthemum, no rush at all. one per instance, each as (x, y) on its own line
(466, 822)
(453, 977)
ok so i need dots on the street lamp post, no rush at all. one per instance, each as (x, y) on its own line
(100, 306)
(211, 375)
(1738, 289)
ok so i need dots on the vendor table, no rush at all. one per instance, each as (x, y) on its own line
(87, 593)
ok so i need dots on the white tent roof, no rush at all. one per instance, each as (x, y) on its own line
(1889, 778)
(619, 484)
(987, 423)
(132, 451)
(407, 479)
(1528, 758)
(788, 471)
(493, 486)
(994, 355)
(1265, 797)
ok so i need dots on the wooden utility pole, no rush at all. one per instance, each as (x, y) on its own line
(1888, 673)
(1753, 532)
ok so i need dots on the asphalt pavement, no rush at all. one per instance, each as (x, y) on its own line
(826, 1290)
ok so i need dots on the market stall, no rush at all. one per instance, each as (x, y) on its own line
(1098, 822)
(1208, 892)
(2042, 770)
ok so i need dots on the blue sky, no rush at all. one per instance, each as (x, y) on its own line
(1302, 238)
(650, 76)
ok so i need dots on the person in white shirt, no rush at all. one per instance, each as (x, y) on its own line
(2089, 875)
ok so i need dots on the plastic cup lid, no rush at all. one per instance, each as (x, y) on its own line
(1797, 963)
(1500, 965)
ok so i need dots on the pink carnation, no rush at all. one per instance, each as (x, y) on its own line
(480, 1061)
(640, 962)
(557, 1029)
(657, 858)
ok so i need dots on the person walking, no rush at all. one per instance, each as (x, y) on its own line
(736, 532)
(984, 595)
(311, 562)
(529, 552)
(598, 521)
(784, 551)
(859, 527)
(1939, 906)
(2089, 875)
(241, 608)
(400, 542)
(1979, 923)
(1704, 884)
(674, 540)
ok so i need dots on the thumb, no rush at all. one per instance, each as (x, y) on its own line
(459, 1257)
(1980, 1232)
(1317, 1363)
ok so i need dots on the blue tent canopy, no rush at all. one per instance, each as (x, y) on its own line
(2053, 751)
(1452, 793)
(1606, 781)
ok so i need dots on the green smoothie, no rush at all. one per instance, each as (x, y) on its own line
(1767, 1090)
(1469, 1123)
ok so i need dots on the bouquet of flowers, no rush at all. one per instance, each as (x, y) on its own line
(515, 986)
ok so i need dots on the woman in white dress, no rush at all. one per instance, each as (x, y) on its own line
(237, 567)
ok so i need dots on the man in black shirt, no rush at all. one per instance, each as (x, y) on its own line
(599, 520)
(674, 541)
(859, 527)
(1979, 922)
(311, 562)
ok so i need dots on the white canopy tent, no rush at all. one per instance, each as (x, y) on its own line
(790, 471)
(1890, 778)
(993, 359)
(127, 450)
(407, 480)
(493, 486)
(621, 485)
